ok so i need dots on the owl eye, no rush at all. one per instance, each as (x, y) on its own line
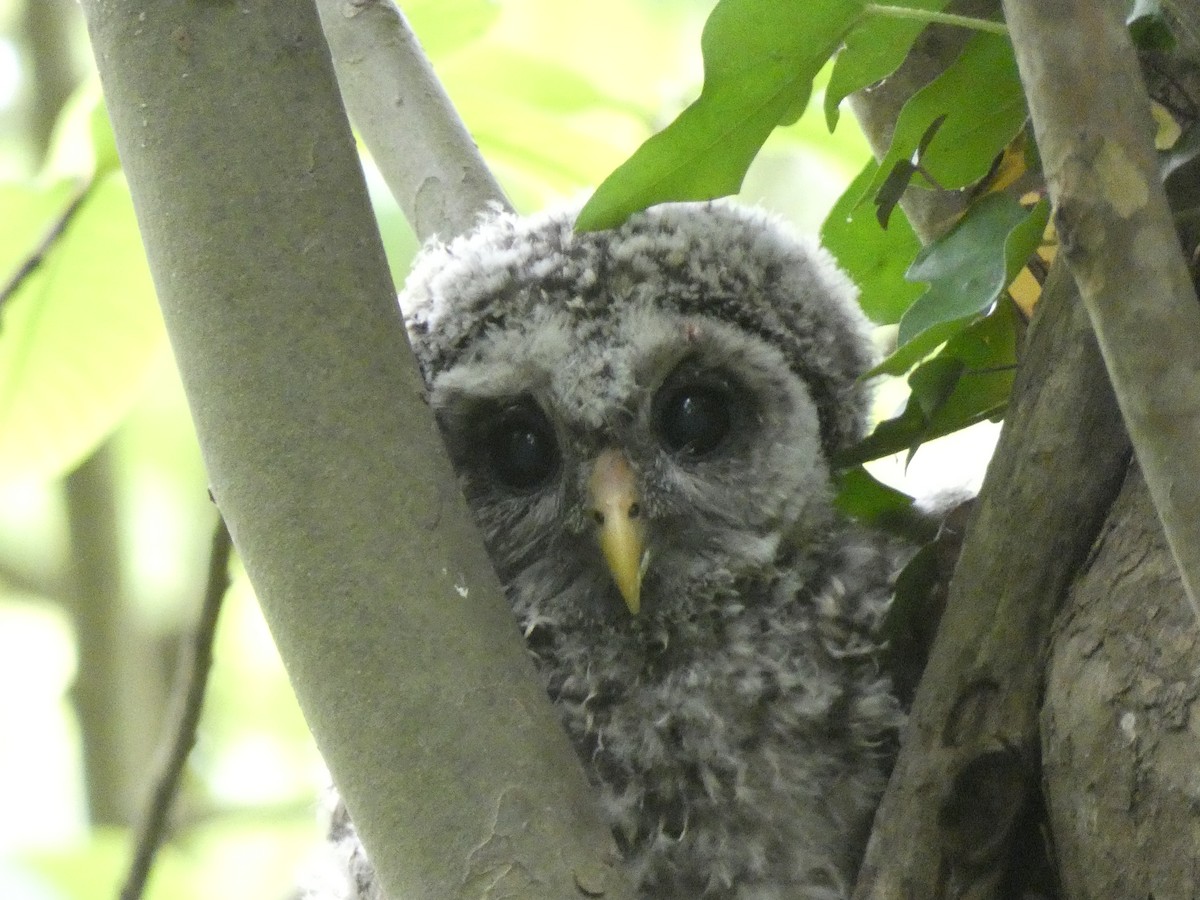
(521, 447)
(694, 417)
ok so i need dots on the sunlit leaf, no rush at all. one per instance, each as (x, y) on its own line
(873, 49)
(553, 148)
(104, 143)
(443, 26)
(760, 57)
(95, 868)
(981, 97)
(77, 340)
(1012, 164)
(1180, 159)
(521, 77)
(876, 258)
(30, 214)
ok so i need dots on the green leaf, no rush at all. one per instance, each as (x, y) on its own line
(550, 148)
(82, 144)
(968, 382)
(760, 57)
(973, 263)
(912, 619)
(981, 97)
(872, 50)
(875, 257)
(544, 84)
(104, 144)
(932, 384)
(444, 26)
(1149, 26)
(904, 357)
(30, 212)
(97, 867)
(865, 499)
(77, 339)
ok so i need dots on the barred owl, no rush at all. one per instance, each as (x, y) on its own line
(643, 420)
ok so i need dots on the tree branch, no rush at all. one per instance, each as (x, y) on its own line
(400, 109)
(191, 683)
(967, 768)
(325, 461)
(1095, 136)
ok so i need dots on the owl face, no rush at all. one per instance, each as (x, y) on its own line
(627, 464)
(637, 418)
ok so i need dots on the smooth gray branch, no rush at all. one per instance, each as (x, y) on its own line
(398, 106)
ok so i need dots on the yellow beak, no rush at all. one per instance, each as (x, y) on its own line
(617, 510)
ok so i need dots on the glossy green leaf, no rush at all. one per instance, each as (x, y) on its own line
(970, 266)
(873, 49)
(968, 382)
(760, 57)
(875, 257)
(933, 382)
(77, 339)
(981, 97)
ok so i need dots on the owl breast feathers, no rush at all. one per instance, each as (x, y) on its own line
(642, 420)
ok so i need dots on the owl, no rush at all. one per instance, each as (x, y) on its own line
(642, 421)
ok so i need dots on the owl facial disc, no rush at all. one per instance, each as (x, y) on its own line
(616, 507)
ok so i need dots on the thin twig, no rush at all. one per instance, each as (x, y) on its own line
(34, 260)
(195, 660)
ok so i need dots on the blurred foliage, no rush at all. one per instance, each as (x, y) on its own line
(557, 95)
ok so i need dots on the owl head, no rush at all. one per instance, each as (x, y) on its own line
(641, 418)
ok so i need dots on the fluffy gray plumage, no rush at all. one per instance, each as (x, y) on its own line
(737, 728)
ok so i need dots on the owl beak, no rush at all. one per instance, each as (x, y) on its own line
(616, 507)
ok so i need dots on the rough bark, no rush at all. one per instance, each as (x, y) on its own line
(325, 461)
(1121, 722)
(967, 771)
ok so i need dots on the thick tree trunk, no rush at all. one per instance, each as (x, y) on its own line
(1121, 721)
